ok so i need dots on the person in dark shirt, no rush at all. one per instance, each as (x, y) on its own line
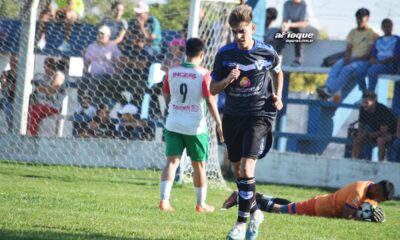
(377, 124)
(7, 89)
(243, 69)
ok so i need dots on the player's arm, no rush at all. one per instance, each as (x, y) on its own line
(212, 105)
(349, 212)
(217, 86)
(166, 90)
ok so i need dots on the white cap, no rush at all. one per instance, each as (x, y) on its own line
(141, 7)
(129, 109)
(105, 30)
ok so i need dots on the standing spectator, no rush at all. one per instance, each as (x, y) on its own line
(295, 19)
(394, 153)
(377, 124)
(269, 33)
(148, 26)
(68, 12)
(7, 88)
(46, 100)
(83, 114)
(385, 56)
(116, 23)
(100, 61)
(249, 73)
(355, 62)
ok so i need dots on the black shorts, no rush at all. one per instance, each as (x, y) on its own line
(247, 136)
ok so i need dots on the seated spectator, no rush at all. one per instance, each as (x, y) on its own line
(130, 126)
(377, 124)
(148, 26)
(100, 62)
(101, 125)
(385, 56)
(295, 19)
(116, 23)
(83, 114)
(46, 100)
(395, 147)
(68, 12)
(269, 33)
(355, 62)
(7, 91)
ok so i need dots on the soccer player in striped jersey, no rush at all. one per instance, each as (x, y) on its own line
(249, 72)
(186, 91)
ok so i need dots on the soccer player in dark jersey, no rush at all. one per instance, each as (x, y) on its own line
(249, 72)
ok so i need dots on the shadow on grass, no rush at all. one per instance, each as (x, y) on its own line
(48, 235)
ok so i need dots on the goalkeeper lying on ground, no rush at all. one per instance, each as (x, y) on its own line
(341, 204)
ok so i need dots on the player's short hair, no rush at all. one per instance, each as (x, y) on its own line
(242, 13)
(386, 20)
(387, 189)
(272, 13)
(194, 46)
(362, 12)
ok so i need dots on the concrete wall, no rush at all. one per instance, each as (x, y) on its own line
(314, 170)
(284, 168)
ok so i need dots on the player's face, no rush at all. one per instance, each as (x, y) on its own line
(243, 35)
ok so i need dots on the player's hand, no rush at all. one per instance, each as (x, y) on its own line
(220, 133)
(278, 104)
(234, 74)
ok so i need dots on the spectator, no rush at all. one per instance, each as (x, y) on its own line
(395, 147)
(68, 12)
(295, 19)
(100, 61)
(7, 90)
(385, 56)
(148, 26)
(116, 23)
(83, 114)
(101, 125)
(355, 62)
(269, 33)
(130, 126)
(377, 124)
(46, 100)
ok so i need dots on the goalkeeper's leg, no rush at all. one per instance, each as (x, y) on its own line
(167, 180)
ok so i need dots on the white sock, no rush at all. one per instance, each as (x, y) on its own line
(165, 190)
(201, 195)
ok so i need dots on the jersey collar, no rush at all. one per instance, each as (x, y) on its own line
(188, 65)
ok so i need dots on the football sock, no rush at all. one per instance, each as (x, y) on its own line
(265, 203)
(165, 190)
(201, 195)
(247, 187)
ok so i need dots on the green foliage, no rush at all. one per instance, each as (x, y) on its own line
(54, 202)
(306, 81)
(9, 9)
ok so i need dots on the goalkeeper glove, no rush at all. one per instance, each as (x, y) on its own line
(377, 215)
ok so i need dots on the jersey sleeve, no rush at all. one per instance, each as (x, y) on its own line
(166, 89)
(218, 72)
(206, 85)
(353, 199)
(276, 64)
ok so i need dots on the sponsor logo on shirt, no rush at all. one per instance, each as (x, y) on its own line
(245, 82)
(186, 108)
(184, 75)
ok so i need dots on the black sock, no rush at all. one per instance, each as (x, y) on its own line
(247, 187)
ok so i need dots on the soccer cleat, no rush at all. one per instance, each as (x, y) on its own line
(165, 206)
(237, 232)
(255, 221)
(204, 208)
(231, 200)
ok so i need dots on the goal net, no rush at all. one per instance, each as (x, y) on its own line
(84, 88)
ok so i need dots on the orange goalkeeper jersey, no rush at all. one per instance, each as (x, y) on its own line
(352, 195)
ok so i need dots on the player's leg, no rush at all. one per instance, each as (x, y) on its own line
(197, 149)
(382, 141)
(300, 208)
(174, 149)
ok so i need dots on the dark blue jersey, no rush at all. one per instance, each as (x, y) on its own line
(250, 94)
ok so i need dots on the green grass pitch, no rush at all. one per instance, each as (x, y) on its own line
(53, 202)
